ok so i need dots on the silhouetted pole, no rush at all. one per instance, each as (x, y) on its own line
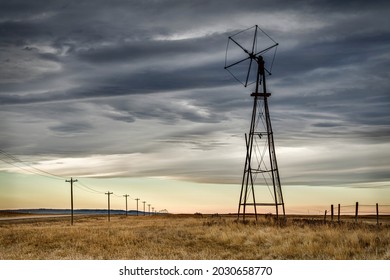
(71, 181)
(137, 205)
(331, 212)
(338, 213)
(149, 209)
(109, 193)
(152, 210)
(377, 214)
(144, 206)
(356, 212)
(126, 196)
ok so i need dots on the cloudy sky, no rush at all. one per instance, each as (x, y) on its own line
(132, 97)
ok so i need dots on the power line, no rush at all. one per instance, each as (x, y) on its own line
(13, 160)
(29, 168)
(85, 189)
(89, 188)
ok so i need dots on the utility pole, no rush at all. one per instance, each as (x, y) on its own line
(137, 205)
(109, 193)
(149, 210)
(71, 181)
(144, 206)
(126, 196)
(152, 210)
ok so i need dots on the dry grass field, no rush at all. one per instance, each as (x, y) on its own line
(189, 237)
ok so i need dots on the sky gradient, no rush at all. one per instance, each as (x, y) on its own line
(131, 97)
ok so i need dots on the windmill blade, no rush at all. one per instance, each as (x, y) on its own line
(249, 70)
(251, 55)
(234, 41)
(267, 49)
(254, 40)
(235, 63)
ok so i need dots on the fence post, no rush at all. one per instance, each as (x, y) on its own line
(331, 212)
(338, 213)
(326, 211)
(356, 212)
(377, 214)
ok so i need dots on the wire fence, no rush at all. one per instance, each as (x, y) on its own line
(374, 213)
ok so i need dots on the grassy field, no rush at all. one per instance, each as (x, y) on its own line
(189, 237)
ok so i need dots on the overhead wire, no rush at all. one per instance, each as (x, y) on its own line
(15, 161)
(29, 168)
(88, 188)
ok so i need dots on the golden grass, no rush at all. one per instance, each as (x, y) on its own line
(188, 237)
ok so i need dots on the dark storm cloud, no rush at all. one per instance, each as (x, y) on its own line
(149, 74)
(151, 50)
(77, 127)
(149, 81)
(351, 50)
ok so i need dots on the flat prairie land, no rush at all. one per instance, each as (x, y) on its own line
(190, 237)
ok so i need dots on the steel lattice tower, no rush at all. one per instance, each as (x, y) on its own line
(261, 168)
